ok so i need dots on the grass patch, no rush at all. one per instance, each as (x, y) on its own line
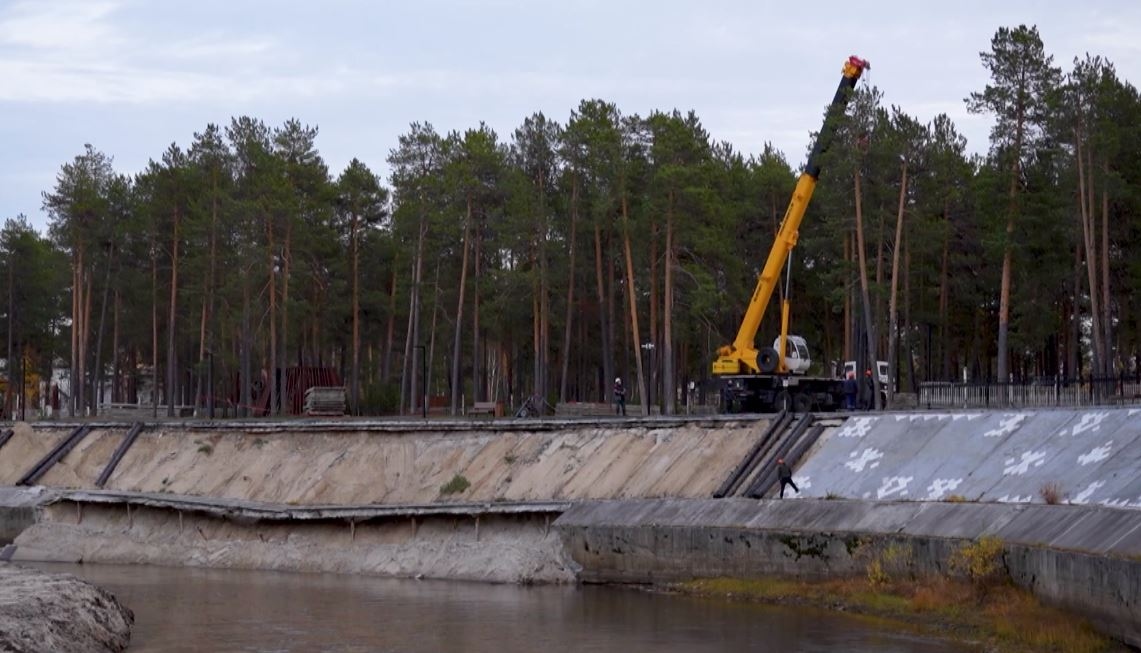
(1006, 619)
(206, 448)
(510, 459)
(458, 484)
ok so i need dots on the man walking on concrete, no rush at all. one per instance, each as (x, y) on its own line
(784, 473)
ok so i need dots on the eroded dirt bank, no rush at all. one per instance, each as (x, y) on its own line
(60, 613)
(493, 548)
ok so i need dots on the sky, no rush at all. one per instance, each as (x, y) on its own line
(130, 77)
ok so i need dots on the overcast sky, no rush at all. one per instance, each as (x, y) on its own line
(132, 76)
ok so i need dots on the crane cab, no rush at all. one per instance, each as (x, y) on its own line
(796, 359)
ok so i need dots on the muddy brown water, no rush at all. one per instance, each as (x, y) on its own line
(186, 609)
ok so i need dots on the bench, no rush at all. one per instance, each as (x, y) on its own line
(491, 408)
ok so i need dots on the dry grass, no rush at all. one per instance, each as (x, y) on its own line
(1008, 619)
(1051, 493)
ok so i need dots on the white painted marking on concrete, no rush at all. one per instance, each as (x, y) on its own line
(867, 495)
(1115, 503)
(1035, 458)
(868, 458)
(927, 417)
(1096, 455)
(1008, 425)
(802, 482)
(1084, 495)
(1014, 498)
(1133, 411)
(1090, 422)
(894, 485)
(942, 486)
(857, 427)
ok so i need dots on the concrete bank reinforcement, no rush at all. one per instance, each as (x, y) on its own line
(1084, 559)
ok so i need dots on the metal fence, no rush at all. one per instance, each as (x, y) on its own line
(1038, 393)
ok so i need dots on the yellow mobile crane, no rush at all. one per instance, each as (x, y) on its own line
(764, 379)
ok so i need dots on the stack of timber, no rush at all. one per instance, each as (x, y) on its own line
(326, 401)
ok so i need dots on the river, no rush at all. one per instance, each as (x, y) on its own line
(188, 609)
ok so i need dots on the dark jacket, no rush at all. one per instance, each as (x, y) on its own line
(784, 471)
(851, 387)
(619, 392)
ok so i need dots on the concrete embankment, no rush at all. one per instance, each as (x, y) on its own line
(1083, 457)
(1084, 559)
(60, 613)
(468, 500)
(351, 462)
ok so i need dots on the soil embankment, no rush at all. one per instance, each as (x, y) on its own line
(59, 613)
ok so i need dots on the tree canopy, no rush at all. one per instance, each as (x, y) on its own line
(547, 262)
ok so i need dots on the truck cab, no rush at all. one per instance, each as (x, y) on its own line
(882, 372)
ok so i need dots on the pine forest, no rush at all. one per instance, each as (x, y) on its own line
(548, 261)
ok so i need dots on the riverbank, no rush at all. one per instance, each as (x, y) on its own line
(1080, 559)
(997, 617)
(59, 613)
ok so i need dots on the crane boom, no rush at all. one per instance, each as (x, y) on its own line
(741, 356)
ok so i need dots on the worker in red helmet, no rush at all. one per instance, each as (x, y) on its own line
(867, 391)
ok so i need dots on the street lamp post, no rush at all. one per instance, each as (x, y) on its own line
(423, 380)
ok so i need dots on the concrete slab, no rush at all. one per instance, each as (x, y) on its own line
(1098, 531)
(1092, 455)
(1041, 525)
(950, 520)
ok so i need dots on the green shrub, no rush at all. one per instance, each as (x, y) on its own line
(456, 485)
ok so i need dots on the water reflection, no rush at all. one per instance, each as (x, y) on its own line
(183, 609)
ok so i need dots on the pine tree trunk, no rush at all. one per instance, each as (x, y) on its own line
(669, 376)
(286, 265)
(154, 330)
(271, 379)
(893, 313)
(457, 388)
(1106, 306)
(603, 318)
(1086, 194)
(565, 354)
(172, 315)
(116, 367)
(632, 295)
(944, 300)
(386, 356)
(869, 324)
(99, 337)
(355, 372)
(477, 375)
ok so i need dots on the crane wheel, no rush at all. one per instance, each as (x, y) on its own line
(768, 360)
(801, 403)
(783, 401)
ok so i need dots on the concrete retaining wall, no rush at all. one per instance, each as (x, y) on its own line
(1084, 559)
